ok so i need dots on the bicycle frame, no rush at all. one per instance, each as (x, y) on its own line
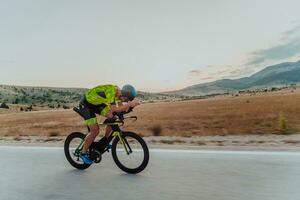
(116, 132)
(123, 142)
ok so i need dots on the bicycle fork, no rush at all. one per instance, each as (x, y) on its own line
(124, 142)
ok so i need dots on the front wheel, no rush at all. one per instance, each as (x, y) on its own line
(131, 154)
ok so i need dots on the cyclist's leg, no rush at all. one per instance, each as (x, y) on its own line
(91, 121)
(104, 141)
(108, 131)
(89, 139)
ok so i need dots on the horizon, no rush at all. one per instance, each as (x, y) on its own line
(53, 44)
(61, 87)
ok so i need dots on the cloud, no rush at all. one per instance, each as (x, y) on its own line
(278, 52)
(226, 69)
(209, 78)
(288, 47)
(210, 73)
(289, 33)
(195, 72)
(239, 72)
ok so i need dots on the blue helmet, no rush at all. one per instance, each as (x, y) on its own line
(129, 92)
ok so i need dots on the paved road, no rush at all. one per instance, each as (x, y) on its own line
(34, 173)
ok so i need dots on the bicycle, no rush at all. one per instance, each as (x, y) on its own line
(128, 149)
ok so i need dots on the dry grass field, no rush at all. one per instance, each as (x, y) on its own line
(259, 114)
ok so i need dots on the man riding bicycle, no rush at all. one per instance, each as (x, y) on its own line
(104, 100)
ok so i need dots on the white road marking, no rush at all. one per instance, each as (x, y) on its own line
(172, 150)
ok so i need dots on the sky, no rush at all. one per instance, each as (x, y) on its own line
(156, 45)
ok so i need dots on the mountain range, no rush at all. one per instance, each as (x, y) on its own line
(279, 75)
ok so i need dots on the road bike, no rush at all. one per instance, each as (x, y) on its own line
(128, 149)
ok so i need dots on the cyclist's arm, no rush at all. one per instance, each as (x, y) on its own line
(110, 109)
(121, 108)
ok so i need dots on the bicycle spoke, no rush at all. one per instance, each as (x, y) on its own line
(126, 143)
(75, 149)
(132, 155)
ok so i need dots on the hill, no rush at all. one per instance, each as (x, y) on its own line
(272, 76)
(59, 97)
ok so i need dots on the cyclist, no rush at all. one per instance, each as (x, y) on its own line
(104, 100)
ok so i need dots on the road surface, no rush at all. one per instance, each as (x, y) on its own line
(37, 173)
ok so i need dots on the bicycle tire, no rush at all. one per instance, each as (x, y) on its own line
(145, 161)
(67, 150)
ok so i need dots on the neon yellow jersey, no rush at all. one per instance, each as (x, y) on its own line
(102, 94)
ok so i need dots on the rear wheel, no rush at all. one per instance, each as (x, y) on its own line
(136, 158)
(73, 146)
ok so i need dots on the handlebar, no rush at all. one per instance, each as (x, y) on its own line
(121, 117)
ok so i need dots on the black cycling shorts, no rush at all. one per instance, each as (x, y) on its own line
(89, 111)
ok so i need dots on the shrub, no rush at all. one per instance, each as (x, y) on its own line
(53, 134)
(3, 105)
(156, 130)
(51, 139)
(17, 138)
(66, 107)
(167, 141)
(16, 101)
(282, 124)
(29, 108)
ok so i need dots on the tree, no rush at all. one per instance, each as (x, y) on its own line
(29, 108)
(66, 107)
(16, 101)
(3, 105)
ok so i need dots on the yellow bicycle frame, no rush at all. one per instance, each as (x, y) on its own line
(117, 134)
